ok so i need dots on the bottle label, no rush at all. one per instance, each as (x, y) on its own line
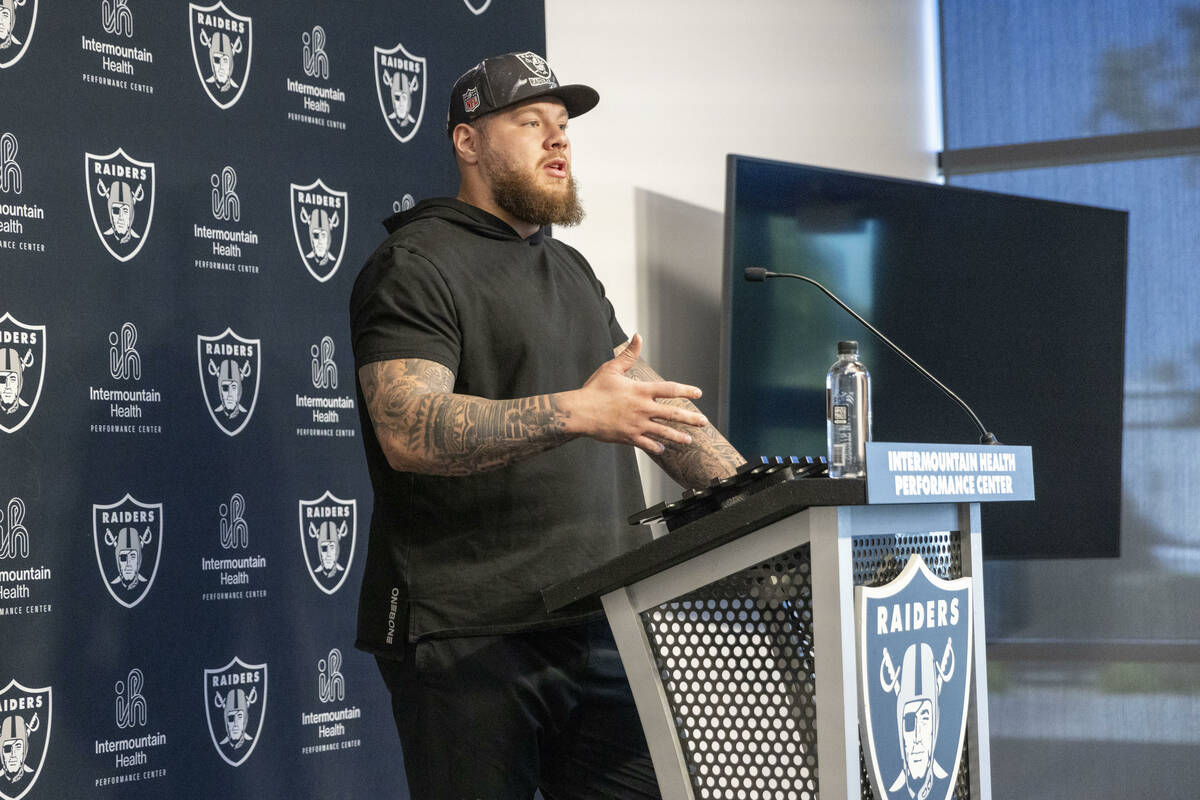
(841, 454)
(841, 415)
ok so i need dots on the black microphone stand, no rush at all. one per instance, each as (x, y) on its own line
(759, 274)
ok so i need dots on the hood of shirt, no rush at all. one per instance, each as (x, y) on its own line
(465, 215)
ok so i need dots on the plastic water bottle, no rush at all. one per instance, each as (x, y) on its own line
(848, 413)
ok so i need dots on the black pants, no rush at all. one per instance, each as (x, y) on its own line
(496, 717)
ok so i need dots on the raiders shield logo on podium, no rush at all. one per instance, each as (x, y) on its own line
(914, 660)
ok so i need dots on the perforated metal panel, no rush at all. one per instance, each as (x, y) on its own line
(736, 662)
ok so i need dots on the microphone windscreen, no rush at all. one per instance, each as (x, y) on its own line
(755, 274)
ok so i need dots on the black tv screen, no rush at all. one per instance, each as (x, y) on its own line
(1017, 304)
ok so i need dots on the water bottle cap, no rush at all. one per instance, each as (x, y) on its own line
(847, 348)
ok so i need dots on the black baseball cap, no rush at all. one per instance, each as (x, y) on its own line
(501, 81)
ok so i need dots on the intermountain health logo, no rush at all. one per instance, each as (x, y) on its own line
(25, 718)
(400, 81)
(914, 654)
(221, 49)
(230, 370)
(116, 17)
(22, 371)
(11, 178)
(129, 755)
(315, 59)
(128, 536)
(235, 531)
(224, 243)
(23, 587)
(120, 194)
(320, 103)
(17, 20)
(320, 219)
(114, 58)
(235, 704)
(14, 536)
(15, 212)
(325, 412)
(328, 529)
(125, 405)
(333, 725)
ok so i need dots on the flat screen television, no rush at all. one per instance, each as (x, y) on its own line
(1017, 304)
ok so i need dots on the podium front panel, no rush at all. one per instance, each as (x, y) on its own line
(736, 660)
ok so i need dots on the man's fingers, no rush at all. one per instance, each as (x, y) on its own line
(649, 445)
(666, 433)
(629, 356)
(670, 389)
(657, 438)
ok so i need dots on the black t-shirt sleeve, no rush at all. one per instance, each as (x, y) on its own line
(402, 308)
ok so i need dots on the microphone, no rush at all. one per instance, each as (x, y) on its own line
(755, 274)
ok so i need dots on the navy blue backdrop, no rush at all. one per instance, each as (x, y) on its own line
(187, 192)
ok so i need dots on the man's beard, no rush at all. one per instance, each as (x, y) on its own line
(520, 195)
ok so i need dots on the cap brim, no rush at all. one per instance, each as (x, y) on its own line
(578, 99)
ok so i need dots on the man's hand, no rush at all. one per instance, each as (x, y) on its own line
(424, 427)
(614, 407)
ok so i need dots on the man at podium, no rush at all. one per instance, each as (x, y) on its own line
(500, 403)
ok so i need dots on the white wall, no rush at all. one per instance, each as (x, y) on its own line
(838, 83)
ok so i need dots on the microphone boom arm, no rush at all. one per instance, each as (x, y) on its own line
(760, 274)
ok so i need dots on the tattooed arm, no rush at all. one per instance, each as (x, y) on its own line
(708, 456)
(423, 426)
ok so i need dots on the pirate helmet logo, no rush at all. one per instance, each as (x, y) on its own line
(121, 195)
(914, 709)
(328, 529)
(235, 704)
(24, 737)
(17, 20)
(320, 219)
(22, 371)
(230, 376)
(221, 50)
(537, 66)
(127, 536)
(400, 83)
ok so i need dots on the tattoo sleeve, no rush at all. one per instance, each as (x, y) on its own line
(424, 427)
(709, 455)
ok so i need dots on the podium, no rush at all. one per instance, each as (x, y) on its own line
(737, 630)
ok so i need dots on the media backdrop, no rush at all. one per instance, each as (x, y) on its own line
(187, 192)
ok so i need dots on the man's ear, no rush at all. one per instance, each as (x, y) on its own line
(466, 142)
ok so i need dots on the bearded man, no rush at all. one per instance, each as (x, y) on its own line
(500, 404)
